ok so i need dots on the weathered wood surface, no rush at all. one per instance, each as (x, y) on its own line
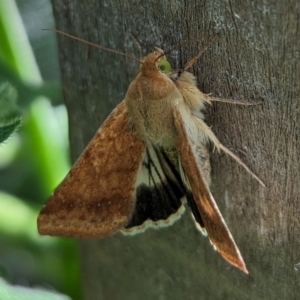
(255, 58)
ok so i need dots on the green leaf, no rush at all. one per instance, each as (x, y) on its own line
(7, 128)
(10, 119)
(8, 292)
(8, 101)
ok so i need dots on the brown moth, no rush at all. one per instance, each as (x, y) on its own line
(144, 163)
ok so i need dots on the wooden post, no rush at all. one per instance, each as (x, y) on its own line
(255, 58)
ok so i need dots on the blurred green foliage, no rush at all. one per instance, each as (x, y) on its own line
(22, 293)
(34, 159)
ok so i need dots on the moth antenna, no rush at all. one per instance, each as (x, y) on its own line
(195, 58)
(93, 44)
(137, 44)
(234, 101)
(239, 161)
(177, 46)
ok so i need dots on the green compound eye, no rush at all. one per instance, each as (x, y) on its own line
(164, 66)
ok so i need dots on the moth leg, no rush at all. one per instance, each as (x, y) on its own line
(212, 137)
(232, 101)
(240, 162)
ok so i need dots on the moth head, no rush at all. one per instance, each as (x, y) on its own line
(156, 61)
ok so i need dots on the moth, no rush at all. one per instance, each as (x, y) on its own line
(145, 162)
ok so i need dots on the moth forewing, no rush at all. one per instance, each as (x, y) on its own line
(97, 196)
(213, 221)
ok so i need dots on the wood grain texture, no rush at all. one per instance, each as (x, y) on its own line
(97, 196)
(255, 58)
